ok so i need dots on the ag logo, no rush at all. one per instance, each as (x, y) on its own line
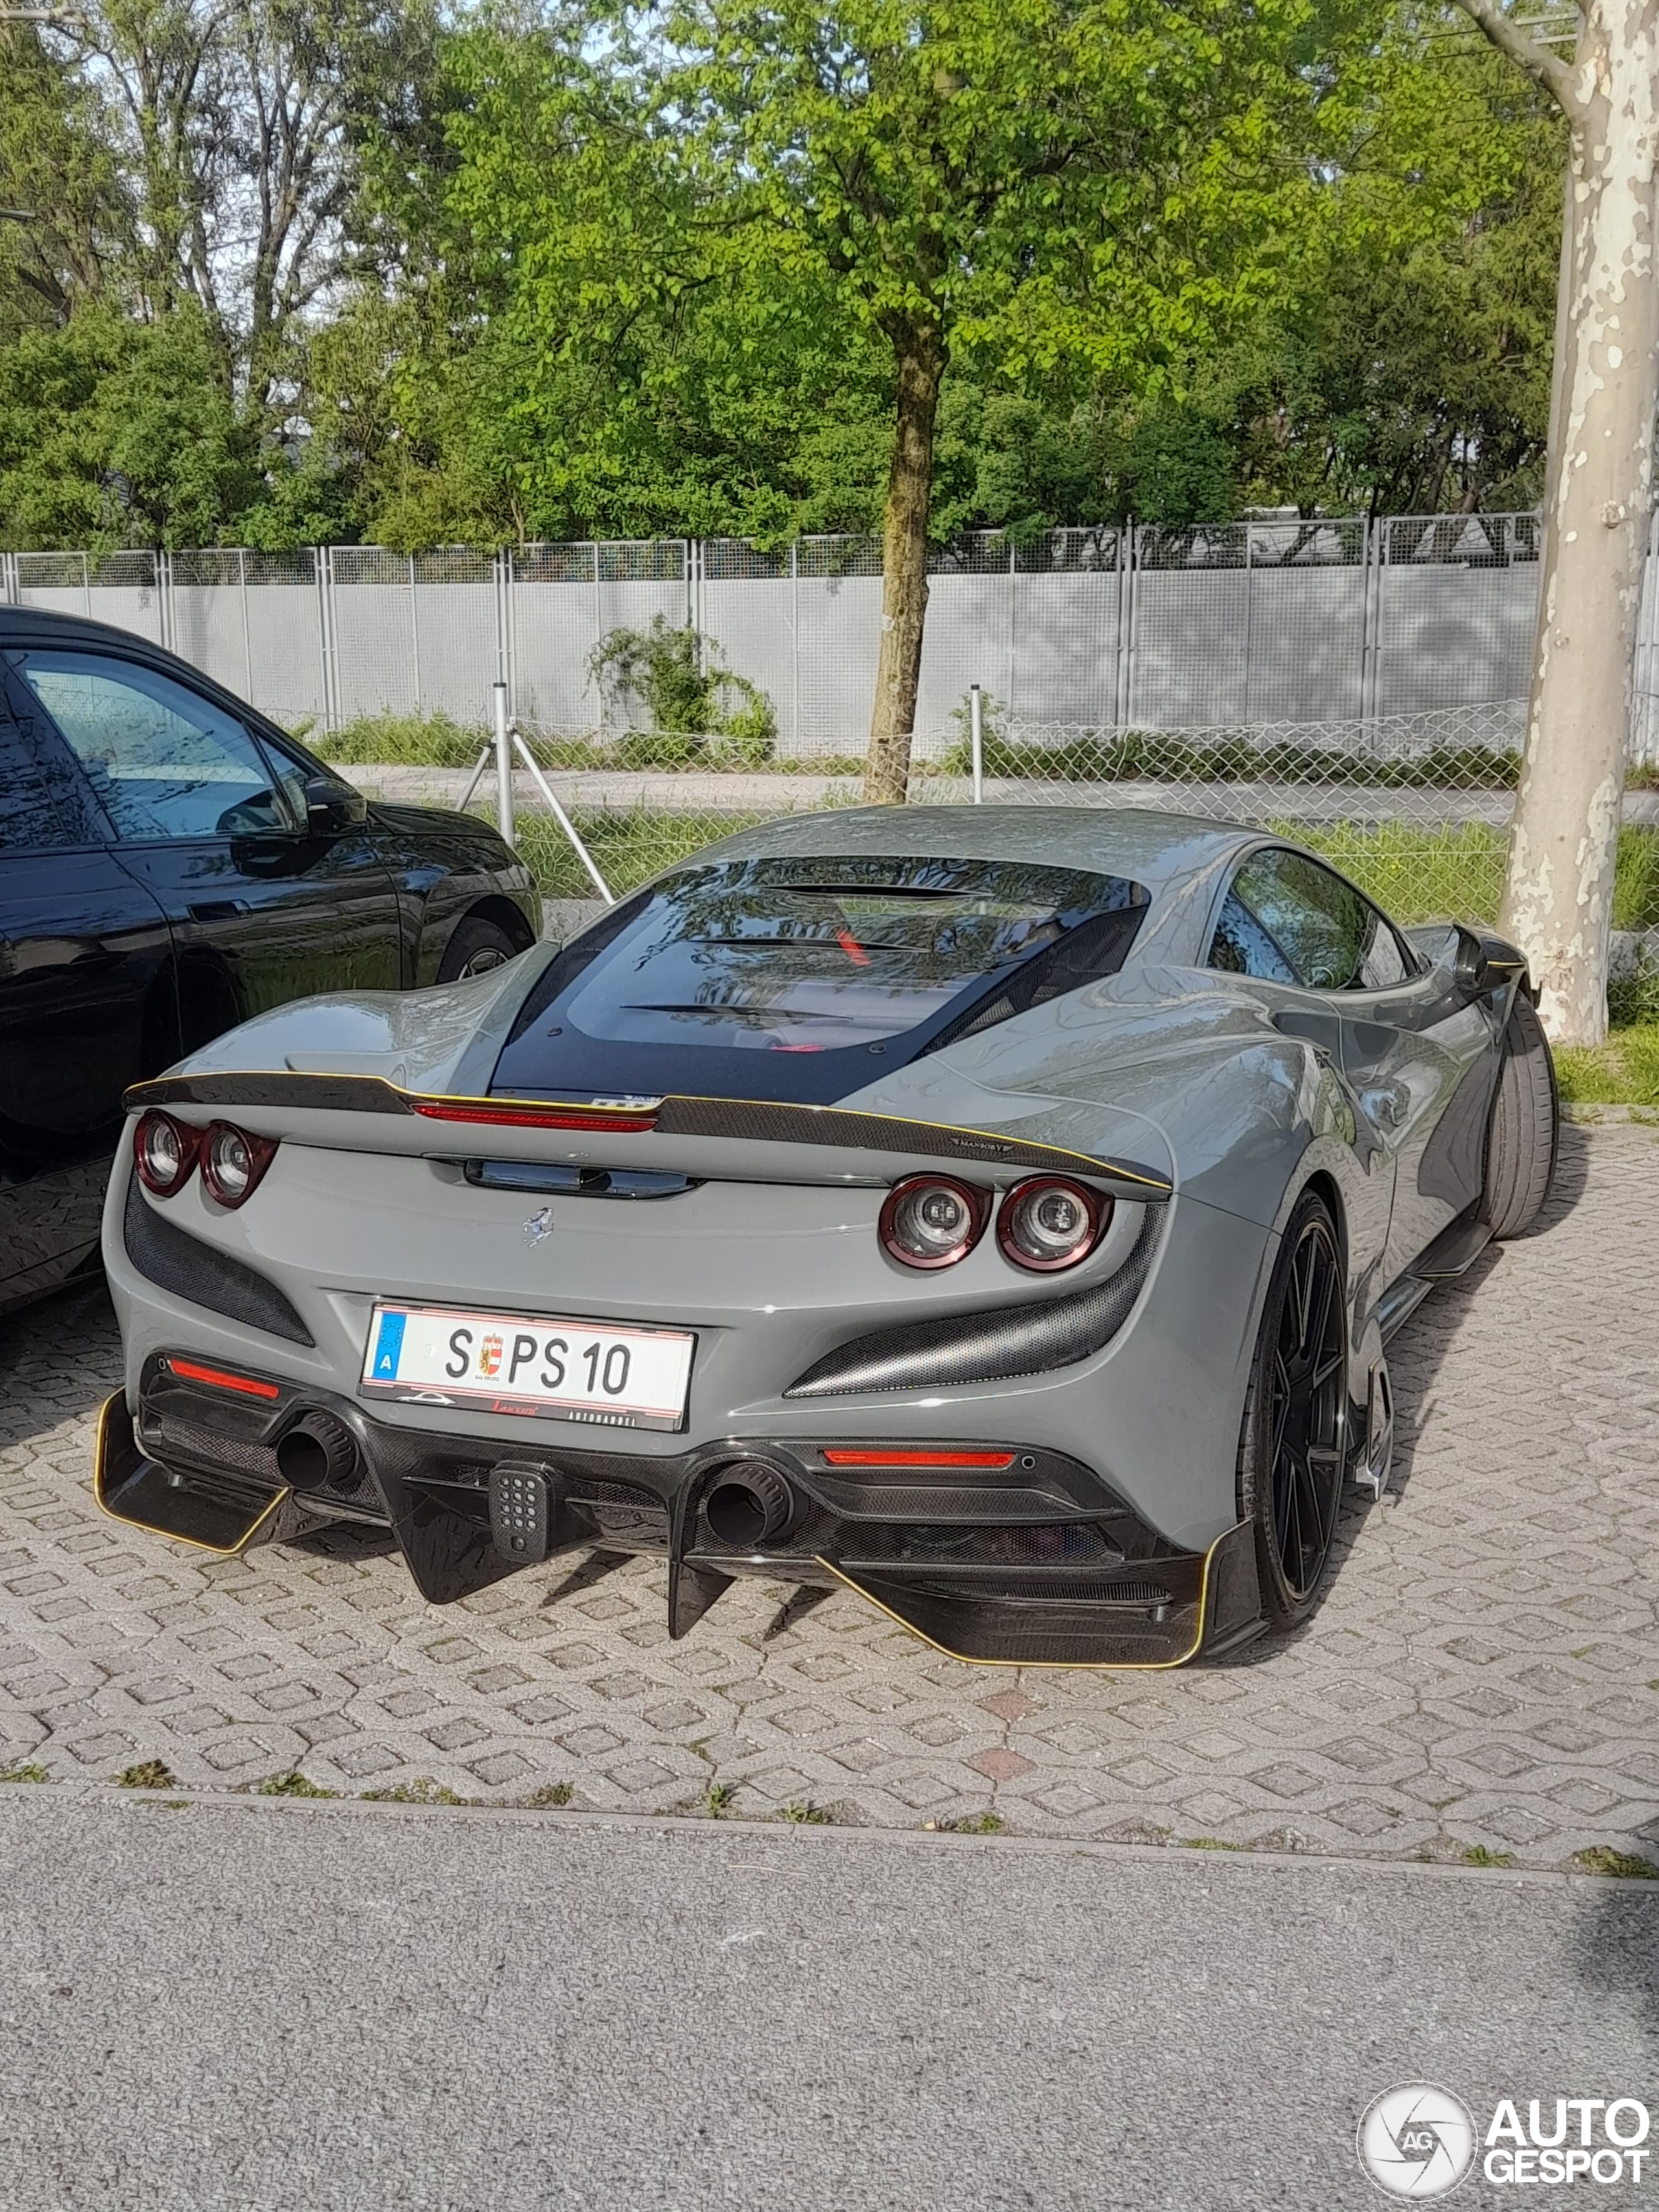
(1417, 2141)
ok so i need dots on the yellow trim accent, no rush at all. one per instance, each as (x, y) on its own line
(213, 1551)
(141, 1094)
(1054, 1666)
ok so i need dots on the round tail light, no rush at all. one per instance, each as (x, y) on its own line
(232, 1162)
(1048, 1222)
(164, 1152)
(933, 1221)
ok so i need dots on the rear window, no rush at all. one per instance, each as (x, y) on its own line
(796, 979)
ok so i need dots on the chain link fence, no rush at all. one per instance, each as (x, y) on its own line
(1361, 684)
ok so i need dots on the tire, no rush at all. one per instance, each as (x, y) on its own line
(1293, 1448)
(1521, 1137)
(476, 946)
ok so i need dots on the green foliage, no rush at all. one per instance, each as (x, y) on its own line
(117, 432)
(422, 1790)
(1626, 1866)
(549, 1794)
(800, 1815)
(430, 740)
(148, 1774)
(699, 709)
(24, 1770)
(293, 1784)
(1623, 1071)
(1480, 1855)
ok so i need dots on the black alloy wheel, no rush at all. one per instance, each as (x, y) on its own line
(478, 947)
(1294, 1450)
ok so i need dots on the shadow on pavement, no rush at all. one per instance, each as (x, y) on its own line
(1616, 1955)
(59, 1360)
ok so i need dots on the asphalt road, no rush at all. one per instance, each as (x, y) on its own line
(240, 2005)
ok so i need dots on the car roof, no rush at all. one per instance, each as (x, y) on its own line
(1147, 847)
(18, 624)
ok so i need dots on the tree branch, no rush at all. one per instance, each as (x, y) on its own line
(1545, 68)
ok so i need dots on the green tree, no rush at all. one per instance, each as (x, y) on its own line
(1014, 181)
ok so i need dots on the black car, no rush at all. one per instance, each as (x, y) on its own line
(170, 864)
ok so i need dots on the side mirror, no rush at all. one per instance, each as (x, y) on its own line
(1484, 964)
(333, 808)
(1470, 970)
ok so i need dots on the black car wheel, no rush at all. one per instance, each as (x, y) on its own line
(477, 947)
(1294, 1447)
(1525, 1125)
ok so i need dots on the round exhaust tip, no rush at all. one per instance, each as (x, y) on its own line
(316, 1451)
(749, 1505)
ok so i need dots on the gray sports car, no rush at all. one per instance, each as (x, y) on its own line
(1002, 1213)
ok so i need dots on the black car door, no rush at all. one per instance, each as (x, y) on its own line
(262, 910)
(87, 1003)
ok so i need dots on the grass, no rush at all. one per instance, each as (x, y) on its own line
(978, 1824)
(422, 1790)
(1602, 1858)
(292, 1785)
(1207, 1844)
(717, 1799)
(148, 1774)
(25, 1770)
(805, 1816)
(1623, 1071)
(550, 1793)
(1477, 1855)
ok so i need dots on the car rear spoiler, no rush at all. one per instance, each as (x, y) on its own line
(684, 1122)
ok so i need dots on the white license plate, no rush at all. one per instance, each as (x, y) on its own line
(570, 1370)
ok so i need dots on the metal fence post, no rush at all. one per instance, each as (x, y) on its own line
(414, 633)
(247, 634)
(503, 763)
(11, 589)
(325, 571)
(976, 739)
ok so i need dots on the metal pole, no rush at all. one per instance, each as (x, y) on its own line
(976, 738)
(563, 820)
(247, 641)
(414, 633)
(503, 764)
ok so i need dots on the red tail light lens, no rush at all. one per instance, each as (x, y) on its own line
(164, 1152)
(232, 1162)
(1048, 1224)
(933, 1221)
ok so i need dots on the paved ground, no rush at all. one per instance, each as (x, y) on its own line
(241, 2006)
(1485, 1671)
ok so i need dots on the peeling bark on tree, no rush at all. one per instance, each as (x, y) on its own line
(1557, 902)
(920, 365)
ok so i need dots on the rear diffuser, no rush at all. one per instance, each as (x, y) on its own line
(1074, 1630)
(222, 1513)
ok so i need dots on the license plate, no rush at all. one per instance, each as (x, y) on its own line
(619, 1376)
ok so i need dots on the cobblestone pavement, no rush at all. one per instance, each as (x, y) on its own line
(1484, 1671)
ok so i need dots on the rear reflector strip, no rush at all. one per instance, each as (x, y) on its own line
(530, 1118)
(919, 1459)
(189, 1371)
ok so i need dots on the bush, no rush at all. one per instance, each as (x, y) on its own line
(699, 710)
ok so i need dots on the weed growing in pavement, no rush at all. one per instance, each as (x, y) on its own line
(550, 1793)
(1478, 1855)
(1207, 1843)
(25, 1770)
(805, 1816)
(1602, 1858)
(976, 1824)
(292, 1785)
(148, 1774)
(717, 1799)
(422, 1790)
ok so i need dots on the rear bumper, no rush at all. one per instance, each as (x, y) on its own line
(1026, 1558)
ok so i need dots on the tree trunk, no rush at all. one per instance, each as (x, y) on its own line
(920, 363)
(1557, 902)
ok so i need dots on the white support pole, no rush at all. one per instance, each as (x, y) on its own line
(976, 739)
(564, 819)
(483, 763)
(503, 763)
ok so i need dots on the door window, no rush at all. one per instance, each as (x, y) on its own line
(37, 811)
(1288, 919)
(164, 762)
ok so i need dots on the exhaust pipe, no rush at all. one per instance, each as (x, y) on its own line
(749, 1504)
(316, 1451)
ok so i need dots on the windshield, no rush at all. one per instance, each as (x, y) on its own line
(798, 979)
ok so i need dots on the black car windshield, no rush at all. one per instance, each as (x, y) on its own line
(798, 979)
